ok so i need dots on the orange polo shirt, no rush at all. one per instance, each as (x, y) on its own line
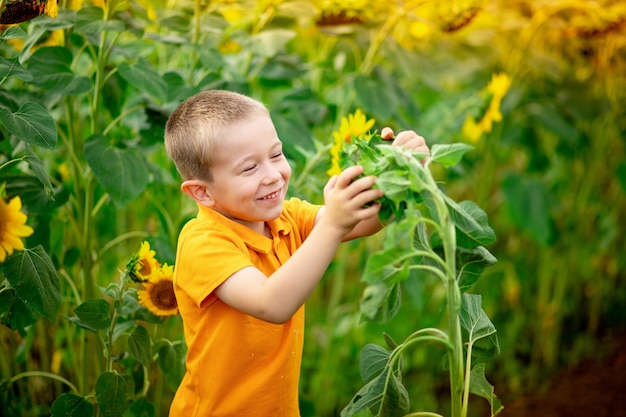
(237, 365)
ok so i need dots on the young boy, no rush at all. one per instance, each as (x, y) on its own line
(249, 260)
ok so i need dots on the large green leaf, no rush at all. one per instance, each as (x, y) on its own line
(89, 20)
(450, 154)
(403, 231)
(471, 263)
(35, 198)
(141, 407)
(11, 68)
(144, 77)
(381, 302)
(33, 276)
(171, 361)
(384, 395)
(6, 299)
(51, 70)
(15, 314)
(177, 91)
(40, 171)
(129, 304)
(32, 123)
(121, 172)
(388, 265)
(470, 221)
(396, 401)
(12, 32)
(139, 345)
(293, 129)
(281, 70)
(71, 405)
(368, 397)
(395, 184)
(114, 393)
(304, 101)
(373, 360)
(93, 315)
(482, 337)
(481, 387)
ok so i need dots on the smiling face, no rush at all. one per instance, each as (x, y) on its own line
(250, 173)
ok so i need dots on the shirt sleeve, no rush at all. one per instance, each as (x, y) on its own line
(208, 255)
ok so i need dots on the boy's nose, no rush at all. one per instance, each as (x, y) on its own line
(272, 175)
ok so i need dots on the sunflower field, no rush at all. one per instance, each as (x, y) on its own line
(522, 103)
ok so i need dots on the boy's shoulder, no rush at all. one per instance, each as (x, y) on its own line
(297, 207)
(299, 214)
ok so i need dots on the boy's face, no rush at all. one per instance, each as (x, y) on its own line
(250, 173)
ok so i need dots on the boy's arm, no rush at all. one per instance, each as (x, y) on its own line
(277, 298)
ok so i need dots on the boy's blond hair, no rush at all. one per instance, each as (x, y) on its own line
(199, 122)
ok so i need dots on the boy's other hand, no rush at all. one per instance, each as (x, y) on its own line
(407, 138)
(345, 199)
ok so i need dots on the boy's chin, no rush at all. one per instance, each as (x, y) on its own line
(278, 211)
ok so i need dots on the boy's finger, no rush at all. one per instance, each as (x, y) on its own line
(387, 133)
(346, 177)
(331, 182)
(362, 184)
(405, 137)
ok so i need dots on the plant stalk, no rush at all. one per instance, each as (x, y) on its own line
(453, 300)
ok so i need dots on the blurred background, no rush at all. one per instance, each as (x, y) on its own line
(538, 87)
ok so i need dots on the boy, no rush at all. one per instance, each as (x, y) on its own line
(249, 260)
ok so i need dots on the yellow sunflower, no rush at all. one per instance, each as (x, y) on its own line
(157, 294)
(143, 264)
(355, 125)
(12, 227)
(494, 92)
(52, 8)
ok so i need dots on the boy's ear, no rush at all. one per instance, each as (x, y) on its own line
(197, 190)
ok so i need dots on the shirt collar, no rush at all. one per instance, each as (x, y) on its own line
(252, 239)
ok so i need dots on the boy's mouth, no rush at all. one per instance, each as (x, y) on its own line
(271, 196)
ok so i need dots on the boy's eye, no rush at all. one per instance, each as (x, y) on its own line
(248, 169)
(277, 155)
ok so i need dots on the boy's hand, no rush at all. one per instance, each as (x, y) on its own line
(345, 198)
(408, 139)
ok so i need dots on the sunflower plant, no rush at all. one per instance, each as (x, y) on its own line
(430, 235)
(122, 320)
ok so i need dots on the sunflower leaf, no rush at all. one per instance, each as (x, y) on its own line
(121, 172)
(33, 276)
(11, 68)
(139, 345)
(480, 386)
(114, 393)
(93, 315)
(449, 155)
(32, 123)
(71, 405)
(15, 314)
(171, 360)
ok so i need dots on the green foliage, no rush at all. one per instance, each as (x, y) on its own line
(71, 405)
(35, 281)
(83, 102)
(442, 238)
